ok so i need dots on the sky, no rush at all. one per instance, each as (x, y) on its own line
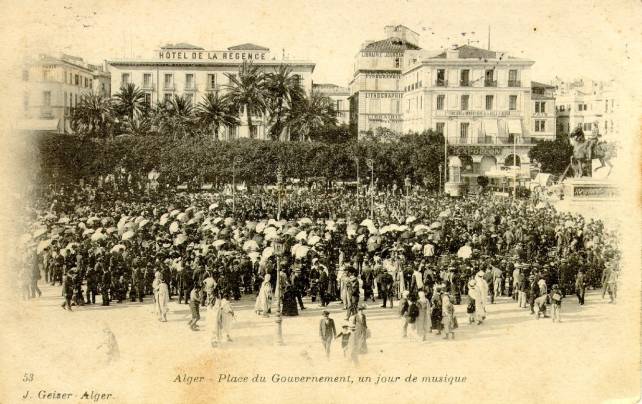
(565, 38)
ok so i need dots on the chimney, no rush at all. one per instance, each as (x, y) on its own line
(452, 53)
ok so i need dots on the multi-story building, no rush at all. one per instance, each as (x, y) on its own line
(340, 97)
(375, 89)
(53, 86)
(543, 111)
(191, 71)
(480, 100)
(588, 104)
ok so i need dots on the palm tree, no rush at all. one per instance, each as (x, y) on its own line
(214, 111)
(93, 117)
(141, 125)
(174, 117)
(247, 90)
(283, 89)
(311, 114)
(129, 101)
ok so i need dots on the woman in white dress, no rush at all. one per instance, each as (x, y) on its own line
(162, 300)
(220, 316)
(264, 299)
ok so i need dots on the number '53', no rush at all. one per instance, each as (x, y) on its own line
(27, 378)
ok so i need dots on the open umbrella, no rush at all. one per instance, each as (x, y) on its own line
(267, 253)
(360, 238)
(313, 239)
(218, 243)
(228, 221)
(63, 220)
(174, 213)
(111, 230)
(92, 220)
(302, 235)
(465, 252)
(181, 217)
(118, 248)
(411, 219)
(213, 206)
(173, 228)
(367, 223)
(180, 239)
(128, 235)
(304, 221)
(271, 236)
(292, 231)
(250, 245)
(351, 230)
(421, 228)
(261, 226)
(330, 225)
(142, 223)
(88, 232)
(301, 252)
(254, 255)
(97, 236)
(435, 225)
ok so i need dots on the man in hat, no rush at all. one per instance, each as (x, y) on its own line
(327, 332)
(105, 285)
(387, 288)
(580, 286)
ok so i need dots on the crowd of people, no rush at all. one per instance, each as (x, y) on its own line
(422, 252)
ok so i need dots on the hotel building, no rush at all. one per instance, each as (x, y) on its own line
(53, 86)
(191, 71)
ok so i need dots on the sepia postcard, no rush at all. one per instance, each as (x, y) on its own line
(320, 201)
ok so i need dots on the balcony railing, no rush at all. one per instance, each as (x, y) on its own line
(490, 83)
(190, 87)
(464, 83)
(489, 140)
(441, 83)
(147, 86)
(169, 87)
(514, 83)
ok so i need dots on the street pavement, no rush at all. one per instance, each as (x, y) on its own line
(511, 354)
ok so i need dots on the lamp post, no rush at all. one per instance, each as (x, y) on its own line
(356, 159)
(278, 247)
(279, 182)
(514, 165)
(237, 160)
(439, 178)
(407, 183)
(370, 164)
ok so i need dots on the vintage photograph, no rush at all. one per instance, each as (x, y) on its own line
(321, 202)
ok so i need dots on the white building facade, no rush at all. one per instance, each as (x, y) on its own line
(480, 100)
(340, 99)
(191, 71)
(588, 104)
(54, 86)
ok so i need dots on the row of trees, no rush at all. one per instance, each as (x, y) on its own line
(276, 98)
(253, 161)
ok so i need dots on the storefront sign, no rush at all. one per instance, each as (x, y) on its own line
(475, 150)
(211, 55)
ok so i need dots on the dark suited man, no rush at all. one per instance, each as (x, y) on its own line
(387, 288)
(324, 283)
(105, 286)
(92, 282)
(327, 332)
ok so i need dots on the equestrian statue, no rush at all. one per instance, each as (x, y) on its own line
(585, 150)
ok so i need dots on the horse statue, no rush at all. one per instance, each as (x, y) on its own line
(585, 150)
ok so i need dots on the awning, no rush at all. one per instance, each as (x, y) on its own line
(490, 127)
(515, 126)
(38, 124)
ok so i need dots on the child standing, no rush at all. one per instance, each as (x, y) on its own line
(194, 304)
(345, 339)
(556, 297)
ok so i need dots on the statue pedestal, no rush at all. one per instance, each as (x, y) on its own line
(587, 189)
(454, 188)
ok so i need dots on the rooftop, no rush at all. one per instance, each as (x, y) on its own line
(181, 45)
(390, 45)
(471, 52)
(537, 84)
(248, 46)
